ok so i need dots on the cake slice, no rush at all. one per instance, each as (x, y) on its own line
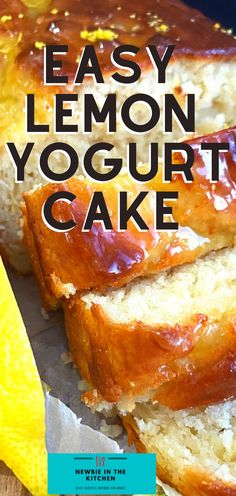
(203, 63)
(195, 448)
(170, 337)
(75, 261)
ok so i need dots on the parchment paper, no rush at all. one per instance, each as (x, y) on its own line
(71, 426)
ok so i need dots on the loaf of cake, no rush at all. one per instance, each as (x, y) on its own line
(170, 337)
(195, 448)
(205, 211)
(203, 63)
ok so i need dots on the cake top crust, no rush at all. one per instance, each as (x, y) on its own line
(107, 25)
(206, 214)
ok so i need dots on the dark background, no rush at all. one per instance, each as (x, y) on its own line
(223, 11)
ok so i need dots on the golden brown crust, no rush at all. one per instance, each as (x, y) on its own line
(192, 482)
(217, 199)
(209, 373)
(104, 259)
(180, 366)
(48, 298)
(150, 22)
(201, 484)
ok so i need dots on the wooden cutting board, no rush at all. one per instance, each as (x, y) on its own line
(9, 484)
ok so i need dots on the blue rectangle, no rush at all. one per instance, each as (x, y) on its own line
(101, 473)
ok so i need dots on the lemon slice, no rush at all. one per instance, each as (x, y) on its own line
(22, 407)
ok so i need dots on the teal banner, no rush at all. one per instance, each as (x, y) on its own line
(101, 473)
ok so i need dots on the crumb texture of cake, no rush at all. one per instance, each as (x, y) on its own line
(204, 63)
(195, 448)
(106, 259)
(169, 337)
(184, 291)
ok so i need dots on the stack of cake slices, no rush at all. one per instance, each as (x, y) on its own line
(151, 317)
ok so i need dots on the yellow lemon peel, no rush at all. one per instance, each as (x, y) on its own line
(98, 35)
(162, 28)
(217, 26)
(54, 11)
(5, 18)
(22, 407)
(39, 44)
